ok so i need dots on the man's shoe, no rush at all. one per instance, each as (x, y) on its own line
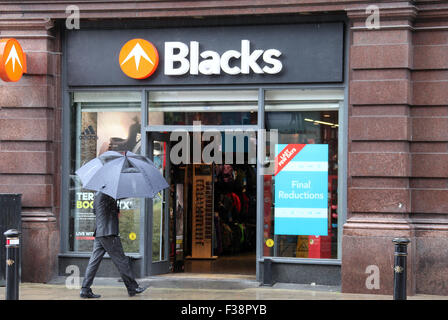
(136, 291)
(88, 294)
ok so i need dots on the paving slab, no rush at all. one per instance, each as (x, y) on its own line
(196, 287)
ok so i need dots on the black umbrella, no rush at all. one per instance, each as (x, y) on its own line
(122, 176)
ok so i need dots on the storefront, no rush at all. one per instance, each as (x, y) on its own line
(366, 79)
(216, 103)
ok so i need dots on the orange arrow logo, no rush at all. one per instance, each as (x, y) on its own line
(138, 59)
(12, 60)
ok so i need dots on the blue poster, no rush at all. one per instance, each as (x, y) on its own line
(301, 189)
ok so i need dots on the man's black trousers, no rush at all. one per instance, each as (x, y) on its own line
(112, 245)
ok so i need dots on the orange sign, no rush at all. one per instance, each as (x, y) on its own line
(138, 58)
(12, 60)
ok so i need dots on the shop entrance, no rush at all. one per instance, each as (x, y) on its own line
(206, 221)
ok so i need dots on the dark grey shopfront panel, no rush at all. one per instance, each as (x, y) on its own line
(306, 273)
(311, 53)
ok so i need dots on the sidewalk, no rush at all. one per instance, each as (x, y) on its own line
(197, 287)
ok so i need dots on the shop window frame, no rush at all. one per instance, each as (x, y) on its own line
(143, 247)
(342, 174)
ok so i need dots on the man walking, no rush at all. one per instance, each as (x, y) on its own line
(107, 240)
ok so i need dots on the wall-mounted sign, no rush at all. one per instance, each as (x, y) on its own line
(301, 189)
(138, 59)
(12, 60)
(243, 54)
(209, 62)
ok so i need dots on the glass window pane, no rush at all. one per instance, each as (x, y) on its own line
(129, 221)
(157, 234)
(209, 107)
(300, 96)
(302, 127)
(158, 206)
(103, 121)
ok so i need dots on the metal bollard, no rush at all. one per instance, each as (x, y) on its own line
(12, 264)
(400, 270)
(267, 273)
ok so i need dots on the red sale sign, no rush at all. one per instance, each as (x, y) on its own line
(286, 155)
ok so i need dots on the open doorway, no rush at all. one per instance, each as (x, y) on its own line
(211, 216)
(213, 224)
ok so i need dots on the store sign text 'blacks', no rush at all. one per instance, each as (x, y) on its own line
(177, 63)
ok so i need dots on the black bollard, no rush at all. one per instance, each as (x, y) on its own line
(400, 256)
(12, 264)
(267, 273)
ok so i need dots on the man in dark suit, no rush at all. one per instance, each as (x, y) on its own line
(107, 240)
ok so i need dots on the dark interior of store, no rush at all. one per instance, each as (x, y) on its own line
(213, 222)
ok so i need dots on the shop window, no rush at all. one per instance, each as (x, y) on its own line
(102, 121)
(158, 205)
(303, 199)
(210, 107)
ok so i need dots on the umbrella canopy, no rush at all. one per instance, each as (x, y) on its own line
(122, 176)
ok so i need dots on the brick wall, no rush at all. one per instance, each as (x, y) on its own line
(30, 135)
(398, 148)
(429, 154)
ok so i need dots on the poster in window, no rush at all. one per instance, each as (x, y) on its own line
(301, 189)
(99, 132)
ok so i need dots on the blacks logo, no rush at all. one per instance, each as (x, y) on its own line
(88, 134)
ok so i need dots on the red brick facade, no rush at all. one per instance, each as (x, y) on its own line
(397, 128)
(397, 148)
(30, 138)
(30, 141)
